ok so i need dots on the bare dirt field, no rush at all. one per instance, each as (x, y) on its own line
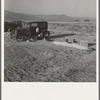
(43, 61)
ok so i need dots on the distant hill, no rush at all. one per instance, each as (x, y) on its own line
(10, 16)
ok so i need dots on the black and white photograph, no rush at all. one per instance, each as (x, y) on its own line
(50, 41)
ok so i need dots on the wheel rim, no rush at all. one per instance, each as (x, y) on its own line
(20, 38)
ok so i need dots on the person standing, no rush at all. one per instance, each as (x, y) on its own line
(37, 30)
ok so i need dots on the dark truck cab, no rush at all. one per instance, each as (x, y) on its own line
(28, 30)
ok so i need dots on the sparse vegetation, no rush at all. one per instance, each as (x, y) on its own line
(45, 62)
(86, 20)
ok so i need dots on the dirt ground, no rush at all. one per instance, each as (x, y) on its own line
(43, 61)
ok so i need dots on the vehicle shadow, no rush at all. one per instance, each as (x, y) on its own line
(61, 35)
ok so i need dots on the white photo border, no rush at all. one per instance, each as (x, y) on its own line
(48, 91)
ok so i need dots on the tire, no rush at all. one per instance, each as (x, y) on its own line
(46, 35)
(43, 34)
(19, 38)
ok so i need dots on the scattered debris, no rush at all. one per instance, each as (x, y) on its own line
(74, 45)
(74, 41)
(27, 41)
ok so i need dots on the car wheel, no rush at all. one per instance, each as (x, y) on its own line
(19, 38)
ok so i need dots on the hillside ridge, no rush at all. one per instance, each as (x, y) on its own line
(10, 16)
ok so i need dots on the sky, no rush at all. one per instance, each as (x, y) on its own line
(74, 8)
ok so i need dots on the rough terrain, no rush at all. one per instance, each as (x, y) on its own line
(43, 61)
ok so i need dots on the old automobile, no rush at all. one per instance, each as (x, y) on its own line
(32, 30)
(11, 25)
(6, 26)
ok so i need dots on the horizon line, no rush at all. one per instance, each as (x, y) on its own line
(49, 14)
